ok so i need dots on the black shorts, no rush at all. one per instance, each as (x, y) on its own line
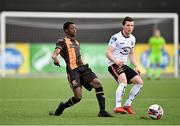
(115, 71)
(81, 76)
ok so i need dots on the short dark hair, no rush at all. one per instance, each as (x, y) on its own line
(66, 25)
(127, 19)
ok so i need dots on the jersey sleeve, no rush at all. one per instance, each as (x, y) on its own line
(60, 43)
(112, 41)
(133, 42)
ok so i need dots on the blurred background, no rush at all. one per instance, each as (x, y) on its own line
(33, 86)
(91, 6)
(31, 41)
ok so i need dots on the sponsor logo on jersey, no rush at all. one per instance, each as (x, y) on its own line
(125, 50)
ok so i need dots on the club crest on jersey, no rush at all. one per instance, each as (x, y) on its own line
(60, 40)
(114, 38)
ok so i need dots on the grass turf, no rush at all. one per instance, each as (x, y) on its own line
(27, 101)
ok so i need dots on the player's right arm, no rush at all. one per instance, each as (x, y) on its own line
(59, 46)
(110, 49)
(55, 56)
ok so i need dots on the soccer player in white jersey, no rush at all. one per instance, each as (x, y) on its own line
(121, 46)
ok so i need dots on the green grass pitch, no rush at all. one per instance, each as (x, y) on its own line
(27, 101)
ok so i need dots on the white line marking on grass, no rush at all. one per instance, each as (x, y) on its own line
(83, 125)
(85, 99)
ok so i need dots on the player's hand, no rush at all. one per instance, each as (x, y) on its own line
(57, 63)
(138, 70)
(120, 63)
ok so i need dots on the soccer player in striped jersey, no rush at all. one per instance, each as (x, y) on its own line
(79, 74)
(121, 46)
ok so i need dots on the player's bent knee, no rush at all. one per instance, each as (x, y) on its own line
(140, 81)
(137, 80)
(96, 83)
(124, 80)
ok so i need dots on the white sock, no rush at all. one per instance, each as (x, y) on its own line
(119, 93)
(134, 91)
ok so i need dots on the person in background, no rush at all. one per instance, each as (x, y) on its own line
(156, 46)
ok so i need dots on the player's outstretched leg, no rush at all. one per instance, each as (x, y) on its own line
(133, 93)
(59, 110)
(62, 106)
(101, 101)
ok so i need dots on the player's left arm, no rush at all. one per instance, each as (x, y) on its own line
(163, 43)
(134, 61)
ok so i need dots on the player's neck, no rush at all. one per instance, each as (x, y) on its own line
(126, 35)
(157, 36)
(68, 36)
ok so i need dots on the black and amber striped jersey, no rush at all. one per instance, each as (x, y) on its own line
(70, 51)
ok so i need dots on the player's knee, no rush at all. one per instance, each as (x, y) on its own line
(96, 83)
(137, 80)
(75, 84)
(140, 81)
(122, 80)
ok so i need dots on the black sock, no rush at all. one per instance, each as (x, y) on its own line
(71, 102)
(101, 98)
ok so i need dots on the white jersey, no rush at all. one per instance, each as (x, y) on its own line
(122, 45)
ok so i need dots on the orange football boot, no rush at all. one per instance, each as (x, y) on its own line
(129, 110)
(119, 110)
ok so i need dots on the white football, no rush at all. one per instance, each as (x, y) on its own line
(155, 111)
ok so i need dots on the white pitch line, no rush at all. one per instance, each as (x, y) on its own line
(86, 99)
(89, 125)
